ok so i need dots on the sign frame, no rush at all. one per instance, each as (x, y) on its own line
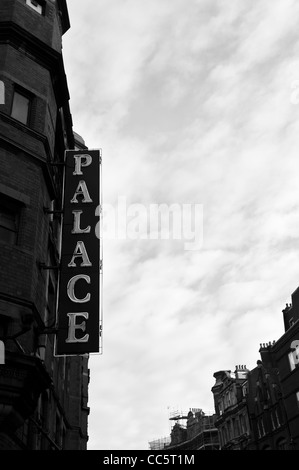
(84, 289)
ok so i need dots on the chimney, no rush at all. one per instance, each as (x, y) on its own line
(267, 356)
(241, 372)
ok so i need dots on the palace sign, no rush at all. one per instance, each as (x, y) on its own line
(78, 307)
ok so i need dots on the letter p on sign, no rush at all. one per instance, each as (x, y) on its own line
(2, 353)
(2, 93)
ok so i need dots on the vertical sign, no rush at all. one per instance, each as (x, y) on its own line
(78, 306)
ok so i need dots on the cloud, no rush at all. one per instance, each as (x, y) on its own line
(191, 103)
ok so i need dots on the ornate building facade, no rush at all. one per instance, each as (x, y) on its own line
(258, 409)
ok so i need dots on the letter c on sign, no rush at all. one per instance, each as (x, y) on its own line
(71, 289)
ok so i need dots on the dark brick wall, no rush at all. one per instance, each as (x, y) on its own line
(19, 69)
(62, 409)
(45, 27)
(25, 176)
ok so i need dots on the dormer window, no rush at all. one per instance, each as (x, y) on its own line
(35, 5)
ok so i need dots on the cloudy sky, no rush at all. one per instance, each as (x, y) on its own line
(193, 103)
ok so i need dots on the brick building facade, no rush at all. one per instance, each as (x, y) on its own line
(43, 399)
(267, 396)
(232, 419)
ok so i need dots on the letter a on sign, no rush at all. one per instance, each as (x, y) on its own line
(79, 296)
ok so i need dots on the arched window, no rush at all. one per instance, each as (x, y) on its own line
(221, 436)
(281, 444)
(229, 430)
(236, 427)
(224, 434)
(243, 424)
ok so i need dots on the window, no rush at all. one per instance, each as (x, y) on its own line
(237, 429)
(291, 321)
(277, 418)
(9, 222)
(224, 435)
(297, 397)
(21, 107)
(36, 5)
(229, 430)
(243, 424)
(260, 428)
(272, 421)
(282, 444)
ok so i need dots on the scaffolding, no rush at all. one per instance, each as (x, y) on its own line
(160, 444)
(178, 417)
(181, 417)
(199, 431)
